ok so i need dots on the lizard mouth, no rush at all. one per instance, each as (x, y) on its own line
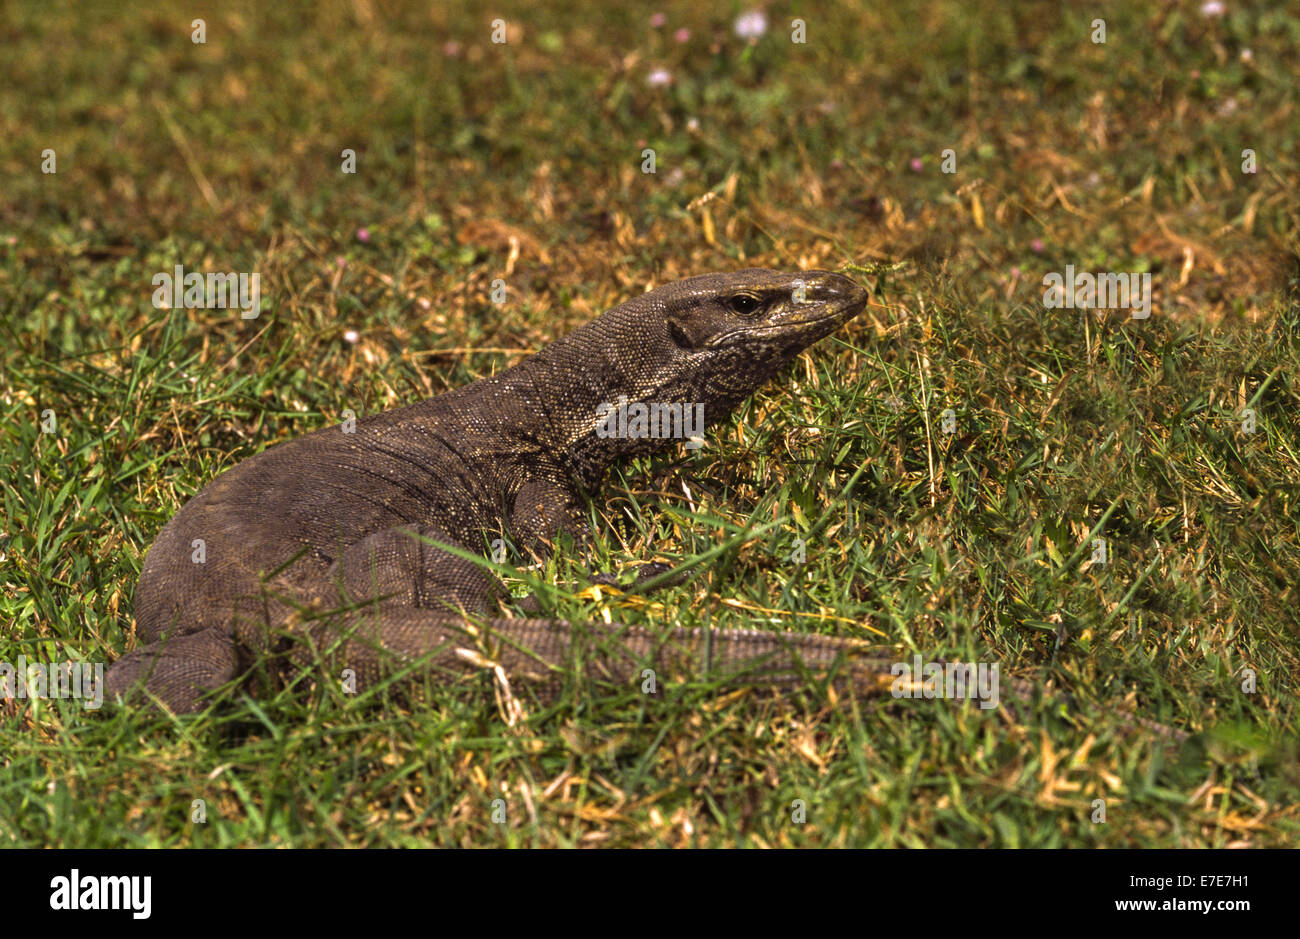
(808, 330)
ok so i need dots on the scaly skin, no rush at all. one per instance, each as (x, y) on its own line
(335, 519)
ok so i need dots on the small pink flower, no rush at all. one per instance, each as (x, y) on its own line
(751, 25)
(1036, 246)
(692, 124)
(1213, 8)
(917, 165)
(658, 19)
(363, 235)
(1015, 273)
(341, 261)
(682, 35)
(659, 78)
(451, 48)
(837, 164)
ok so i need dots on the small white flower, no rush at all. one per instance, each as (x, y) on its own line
(751, 25)
(351, 336)
(659, 77)
(1213, 8)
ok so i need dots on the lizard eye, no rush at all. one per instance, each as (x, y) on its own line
(744, 304)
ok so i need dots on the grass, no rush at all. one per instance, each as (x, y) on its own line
(522, 162)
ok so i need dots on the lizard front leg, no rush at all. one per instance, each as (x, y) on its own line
(544, 509)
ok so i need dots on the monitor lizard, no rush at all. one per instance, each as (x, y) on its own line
(354, 545)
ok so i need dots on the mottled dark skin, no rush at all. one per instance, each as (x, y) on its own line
(326, 548)
(331, 518)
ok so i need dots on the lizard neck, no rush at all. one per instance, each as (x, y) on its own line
(579, 390)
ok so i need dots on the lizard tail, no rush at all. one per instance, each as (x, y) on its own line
(366, 643)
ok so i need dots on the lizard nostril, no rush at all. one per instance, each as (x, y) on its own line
(837, 287)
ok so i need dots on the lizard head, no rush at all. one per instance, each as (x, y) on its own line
(720, 337)
(696, 347)
(755, 321)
